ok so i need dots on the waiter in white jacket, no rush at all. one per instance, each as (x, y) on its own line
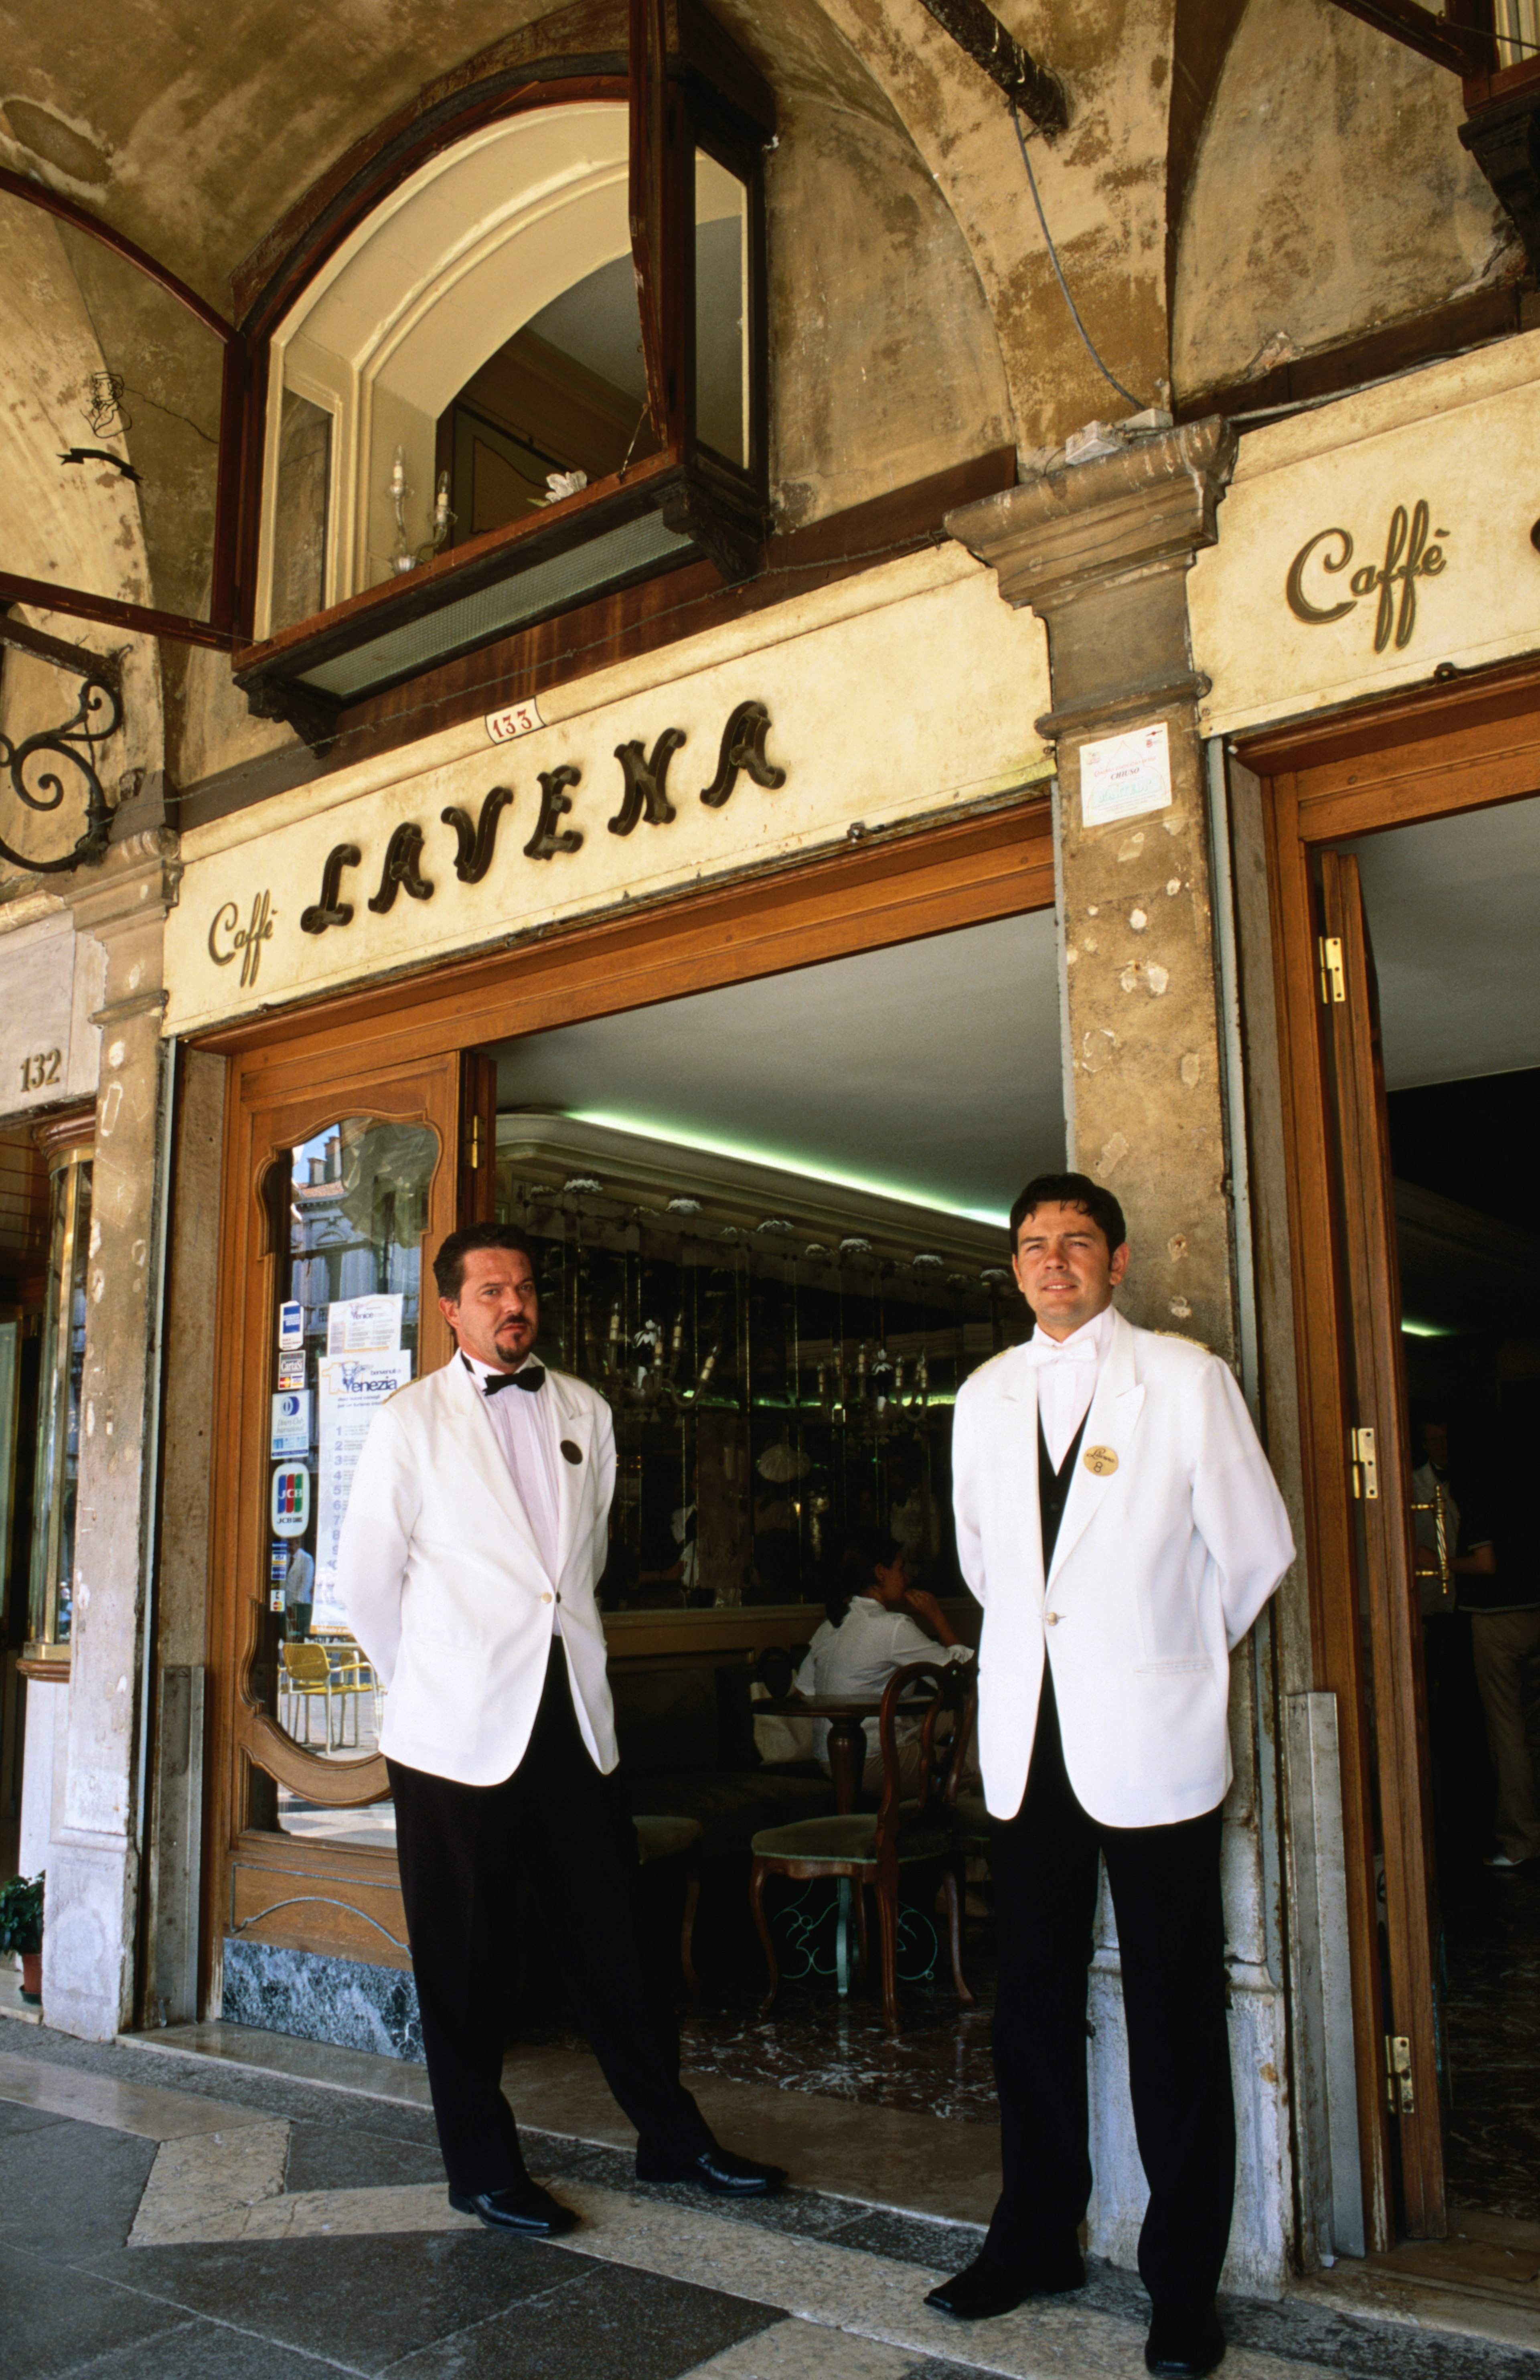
(475, 1536)
(1117, 1520)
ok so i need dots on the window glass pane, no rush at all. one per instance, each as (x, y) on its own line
(721, 310)
(357, 1201)
(59, 1454)
(300, 515)
(774, 1390)
(566, 394)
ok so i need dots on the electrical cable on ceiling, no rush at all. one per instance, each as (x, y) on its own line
(1136, 402)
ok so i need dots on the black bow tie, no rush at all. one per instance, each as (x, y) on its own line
(531, 1377)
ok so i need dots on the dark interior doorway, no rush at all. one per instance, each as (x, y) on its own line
(1451, 906)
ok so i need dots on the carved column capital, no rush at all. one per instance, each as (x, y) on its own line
(1100, 550)
(1082, 524)
(135, 882)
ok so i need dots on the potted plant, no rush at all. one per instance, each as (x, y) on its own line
(21, 1929)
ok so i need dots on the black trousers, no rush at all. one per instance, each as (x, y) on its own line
(1165, 1886)
(463, 1849)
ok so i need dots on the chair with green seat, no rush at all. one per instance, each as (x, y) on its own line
(874, 1850)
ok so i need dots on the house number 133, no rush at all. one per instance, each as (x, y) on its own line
(41, 1068)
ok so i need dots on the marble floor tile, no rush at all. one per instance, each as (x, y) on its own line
(243, 2047)
(72, 2189)
(201, 2351)
(200, 2186)
(352, 2153)
(797, 2350)
(49, 2331)
(608, 2322)
(362, 2302)
(156, 2115)
(878, 2155)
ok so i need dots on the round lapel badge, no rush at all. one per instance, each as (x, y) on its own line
(1102, 1460)
(574, 1453)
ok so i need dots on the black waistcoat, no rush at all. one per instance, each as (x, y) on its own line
(1053, 1487)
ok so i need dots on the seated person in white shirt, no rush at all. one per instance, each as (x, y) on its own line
(887, 1624)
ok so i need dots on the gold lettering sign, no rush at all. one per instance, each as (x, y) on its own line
(245, 942)
(1409, 555)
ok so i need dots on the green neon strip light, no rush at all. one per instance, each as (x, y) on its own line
(1426, 1329)
(785, 1164)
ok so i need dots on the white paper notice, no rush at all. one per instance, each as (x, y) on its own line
(349, 1389)
(1122, 775)
(363, 1326)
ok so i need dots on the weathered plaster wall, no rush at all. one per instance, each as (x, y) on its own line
(1103, 186)
(886, 364)
(1331, 195)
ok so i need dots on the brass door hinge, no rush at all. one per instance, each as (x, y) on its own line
(475, 1153)
(1365, 1469)
(1399, 2097)
(1334, 984)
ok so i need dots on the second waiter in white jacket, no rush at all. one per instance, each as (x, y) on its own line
(475, 1536)
(1117, 1520)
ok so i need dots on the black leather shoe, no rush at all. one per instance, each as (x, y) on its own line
(524, 2207)
(986, 2287)
(715, 2169)
(1184, 2345)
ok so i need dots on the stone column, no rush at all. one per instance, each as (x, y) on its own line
(92, 1894)
(1101, 551)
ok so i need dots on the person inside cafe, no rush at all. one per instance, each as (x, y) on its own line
(476, 1533)
(1117, 1520)
(885, 1624)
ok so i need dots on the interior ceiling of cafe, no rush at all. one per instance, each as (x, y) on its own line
(930, 1072)
(1451, 908)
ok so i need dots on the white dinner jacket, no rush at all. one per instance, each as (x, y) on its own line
(1162, 1565)
(443, 1585)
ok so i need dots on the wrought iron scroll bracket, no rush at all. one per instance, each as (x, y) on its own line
(97, 716)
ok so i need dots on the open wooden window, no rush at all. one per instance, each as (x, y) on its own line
(525, 372)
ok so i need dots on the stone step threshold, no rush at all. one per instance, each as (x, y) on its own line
(1482, 2283)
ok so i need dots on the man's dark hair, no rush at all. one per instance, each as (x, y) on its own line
(449, 1265)
(1070, 1190)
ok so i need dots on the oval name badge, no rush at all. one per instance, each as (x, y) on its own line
(573, 1453)
(1103, 1460)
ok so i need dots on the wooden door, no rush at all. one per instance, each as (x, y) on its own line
(1380, 1472)
(334, 1193)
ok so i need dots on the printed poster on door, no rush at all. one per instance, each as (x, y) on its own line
(349, 1390)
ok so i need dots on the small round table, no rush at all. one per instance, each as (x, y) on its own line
(846, 1748)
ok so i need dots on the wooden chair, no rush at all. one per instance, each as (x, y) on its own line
(874, 1850)
(307, 1672)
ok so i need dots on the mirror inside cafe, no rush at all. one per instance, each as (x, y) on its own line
(769, 1226)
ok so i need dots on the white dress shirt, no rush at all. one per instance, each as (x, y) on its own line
(860, 1656)
(1067, 1372)
(524, 1428)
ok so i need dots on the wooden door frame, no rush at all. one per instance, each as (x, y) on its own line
(1432, 752)
(905, 886)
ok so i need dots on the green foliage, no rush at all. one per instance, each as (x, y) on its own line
(21, 1914)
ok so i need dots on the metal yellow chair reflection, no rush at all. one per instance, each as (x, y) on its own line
(306, 1673)
(355, 1677)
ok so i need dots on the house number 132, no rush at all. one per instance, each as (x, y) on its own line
(41, 1068)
